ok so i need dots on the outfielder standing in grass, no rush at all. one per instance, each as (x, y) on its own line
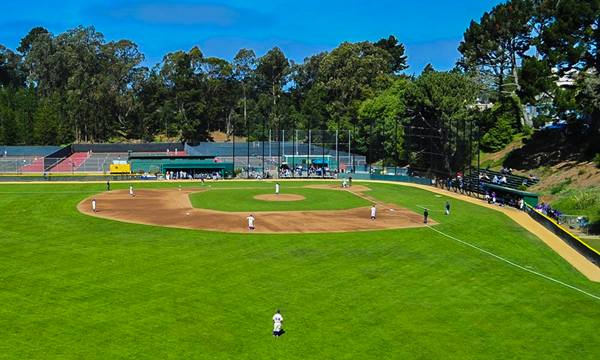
(277, 189)
(277, 323)
(447, 208)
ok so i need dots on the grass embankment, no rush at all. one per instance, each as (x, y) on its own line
(566, 183)
(79, 287)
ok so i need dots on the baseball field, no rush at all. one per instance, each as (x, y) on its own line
(142, 278)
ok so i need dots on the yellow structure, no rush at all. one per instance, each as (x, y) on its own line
(120, 168)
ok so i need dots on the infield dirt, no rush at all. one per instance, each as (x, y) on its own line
(170, 208)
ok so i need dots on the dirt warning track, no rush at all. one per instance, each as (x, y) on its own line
(172, 208)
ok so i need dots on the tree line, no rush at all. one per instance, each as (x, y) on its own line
(78, 87)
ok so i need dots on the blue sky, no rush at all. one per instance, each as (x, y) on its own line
(430, 29)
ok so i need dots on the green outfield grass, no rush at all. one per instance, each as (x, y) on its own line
(74, 286)
(243, 200)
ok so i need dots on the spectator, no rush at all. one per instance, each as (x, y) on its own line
(495, 179)
(503, 180)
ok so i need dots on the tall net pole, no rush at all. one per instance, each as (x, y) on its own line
(248, 155)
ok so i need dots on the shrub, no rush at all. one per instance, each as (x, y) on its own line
(546, 170)
(597, 160)
(558, 188)
(527, 131)
(485, 164)
(522, 187)
(584, 200)
(581, 172)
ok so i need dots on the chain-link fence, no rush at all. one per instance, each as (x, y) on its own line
(438, 148)
(293, 153)
(575, 223)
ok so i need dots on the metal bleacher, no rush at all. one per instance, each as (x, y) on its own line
(512, 181)
(24, 159)
(70, 164)
(100, 162)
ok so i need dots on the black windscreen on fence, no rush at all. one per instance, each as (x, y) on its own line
(572, 241)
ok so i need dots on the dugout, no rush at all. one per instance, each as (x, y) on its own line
(504, 195)
(191, 164)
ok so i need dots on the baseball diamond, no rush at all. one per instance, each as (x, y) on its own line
(169, 207)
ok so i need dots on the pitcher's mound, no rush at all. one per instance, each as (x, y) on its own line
(280, 197)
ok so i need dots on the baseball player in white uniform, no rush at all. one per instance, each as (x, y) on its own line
(251, 222)
(277, 189)
(277, 323)
(131, 190)
(344, 183)
(94, 205)
(373, 211)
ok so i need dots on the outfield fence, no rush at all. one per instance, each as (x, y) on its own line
(578, 245)
(71, 177)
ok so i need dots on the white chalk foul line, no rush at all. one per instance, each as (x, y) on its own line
(515, 265)
(427, 207)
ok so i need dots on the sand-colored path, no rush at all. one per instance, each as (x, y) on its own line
(172, 208)
(584, 266)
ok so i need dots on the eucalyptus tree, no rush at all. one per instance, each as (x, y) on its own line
(271, 78)
(93, 83)
(181, 73)
(218, 94)
(244, 65)
(11, 73)
(307, 95)
(120, 81)
(25, 46)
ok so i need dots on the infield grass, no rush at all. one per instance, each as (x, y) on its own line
(74, 286)
(234, 200)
